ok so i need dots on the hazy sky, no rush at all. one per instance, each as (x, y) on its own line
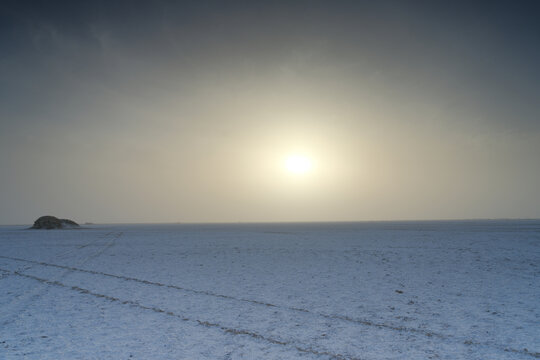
(165, 111)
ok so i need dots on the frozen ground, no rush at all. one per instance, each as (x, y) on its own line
(413, 290)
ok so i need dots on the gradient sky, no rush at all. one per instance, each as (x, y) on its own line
(165, 111)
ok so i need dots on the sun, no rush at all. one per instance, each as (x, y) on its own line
(298, 164)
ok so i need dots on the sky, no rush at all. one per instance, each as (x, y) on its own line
(190, 111)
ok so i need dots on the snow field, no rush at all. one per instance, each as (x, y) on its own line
(272, 291)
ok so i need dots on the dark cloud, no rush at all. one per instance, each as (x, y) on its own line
(487, 49)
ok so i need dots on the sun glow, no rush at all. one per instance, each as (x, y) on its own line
(298, 164)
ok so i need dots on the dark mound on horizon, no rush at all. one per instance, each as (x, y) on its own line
(51, 222)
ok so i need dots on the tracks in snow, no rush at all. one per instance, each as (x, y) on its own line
(225, 329)
(257, 302)
(76, 248)
(18, 304)
(233, 330)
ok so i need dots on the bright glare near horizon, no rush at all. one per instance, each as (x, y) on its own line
(298, 164)
(269, 111)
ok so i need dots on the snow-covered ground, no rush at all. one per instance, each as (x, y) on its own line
(389, 290)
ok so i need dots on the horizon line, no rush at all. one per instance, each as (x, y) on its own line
(294, 221)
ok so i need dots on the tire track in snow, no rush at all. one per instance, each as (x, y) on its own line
(67, 252)
(345, 318)
(225, 329)
(18, 303)
(4, 273)
(257, 302)
(110, 243)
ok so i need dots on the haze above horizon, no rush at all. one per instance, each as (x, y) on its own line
(207, 111)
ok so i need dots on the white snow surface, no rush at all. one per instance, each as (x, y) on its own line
(375, 290)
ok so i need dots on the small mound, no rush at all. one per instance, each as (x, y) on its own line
(51, 222)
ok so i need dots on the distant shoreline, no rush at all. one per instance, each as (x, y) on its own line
(89, 225)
